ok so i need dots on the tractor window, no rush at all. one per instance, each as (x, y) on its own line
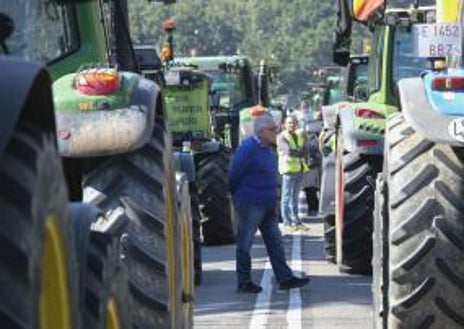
(375, 59)
(332, 93)
(44, 29)
(405, 64)
(231, 82)
(357, 77)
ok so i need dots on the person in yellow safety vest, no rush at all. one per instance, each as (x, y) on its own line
(293, 164)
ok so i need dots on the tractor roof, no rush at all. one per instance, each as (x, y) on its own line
(190, 73)
(354, 56)
(212, 62)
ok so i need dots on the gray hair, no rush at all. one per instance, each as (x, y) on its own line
(262, 122)
(292, 117)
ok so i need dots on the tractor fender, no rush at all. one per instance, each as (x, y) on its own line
(108, 132)
(420, 114)
(184, 162)
(25, 91)
(352, 136)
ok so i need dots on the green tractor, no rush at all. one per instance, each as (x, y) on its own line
(39, 265)
(194, 112)
(350, 80)
(189, 118)
(418, 217)
(234, 87)
(361, 129)
(335, 93)
(111, 133)
(216, 90)
(330, 77)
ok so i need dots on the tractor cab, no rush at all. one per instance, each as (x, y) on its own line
(232, 89)
(354, 83)
(40, 35)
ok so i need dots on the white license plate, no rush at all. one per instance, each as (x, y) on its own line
(437, 40)
(172, 77)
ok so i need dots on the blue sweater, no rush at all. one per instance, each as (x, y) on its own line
(253, 173)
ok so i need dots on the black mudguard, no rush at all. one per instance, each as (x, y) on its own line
(421, 116)
(25, 91)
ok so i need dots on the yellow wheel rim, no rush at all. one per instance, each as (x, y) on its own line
(187, 259)
(113, 315)
(170, 248)
(55, 304)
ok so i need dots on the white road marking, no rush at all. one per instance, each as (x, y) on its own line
(294, 304)
(263, 301)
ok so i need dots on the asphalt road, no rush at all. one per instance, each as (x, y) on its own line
(332, 299)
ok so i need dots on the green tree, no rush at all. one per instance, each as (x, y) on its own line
(296, 34)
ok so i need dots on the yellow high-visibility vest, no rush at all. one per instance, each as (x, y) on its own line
(293, 164)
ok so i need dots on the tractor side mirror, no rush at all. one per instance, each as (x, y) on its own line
(148, 58)
(341, 58)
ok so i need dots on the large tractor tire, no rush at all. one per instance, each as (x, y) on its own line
(354, 202)
(327, 205)
(103, 282)
(426, 230)
(196, 224)
(187, 249)
(329, 238)
(141, 187)
(38, 268)
(216, 206)
(380, 254)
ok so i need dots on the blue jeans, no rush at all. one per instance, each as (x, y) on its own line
(250, 218)
(291, 187)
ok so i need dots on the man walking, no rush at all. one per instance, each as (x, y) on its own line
(292, 166)
(253, 182)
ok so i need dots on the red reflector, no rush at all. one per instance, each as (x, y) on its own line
(367, 142)
(98, 81)
(448, 83)
(368, 114)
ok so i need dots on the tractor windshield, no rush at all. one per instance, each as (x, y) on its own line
(229, 82)
(405, 63)
(358, 76)
(43, 29)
